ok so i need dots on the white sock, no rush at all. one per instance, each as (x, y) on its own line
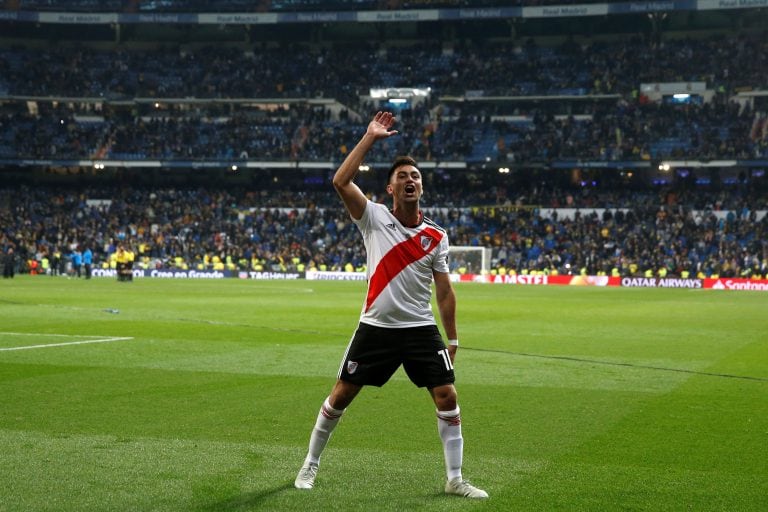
(327, 419)
(449, 427)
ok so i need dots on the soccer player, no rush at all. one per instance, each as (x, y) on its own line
(406, 252)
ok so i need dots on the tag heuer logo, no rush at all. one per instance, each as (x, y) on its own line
(426, 241)
(351, 367)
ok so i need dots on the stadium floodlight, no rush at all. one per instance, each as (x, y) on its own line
(504, 170)
(664, 166)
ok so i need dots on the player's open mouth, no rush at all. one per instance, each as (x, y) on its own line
(410, 189)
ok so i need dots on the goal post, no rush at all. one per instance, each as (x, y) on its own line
(467, 259)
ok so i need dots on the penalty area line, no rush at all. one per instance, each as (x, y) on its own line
(67, 343)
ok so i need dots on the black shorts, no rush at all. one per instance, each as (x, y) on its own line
(375, 353)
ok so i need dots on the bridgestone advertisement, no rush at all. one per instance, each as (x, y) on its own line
(336, 276)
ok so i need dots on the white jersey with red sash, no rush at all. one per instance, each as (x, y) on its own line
(400, 263)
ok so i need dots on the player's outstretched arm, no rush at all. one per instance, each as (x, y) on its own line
(354, 199)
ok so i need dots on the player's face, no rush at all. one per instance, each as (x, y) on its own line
(405, 184)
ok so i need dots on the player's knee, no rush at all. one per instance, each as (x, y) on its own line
(342, 394)
(447, 404)
(445, 397)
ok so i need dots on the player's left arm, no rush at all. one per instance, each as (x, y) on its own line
(446, 305)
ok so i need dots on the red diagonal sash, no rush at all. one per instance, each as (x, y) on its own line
(399, 257)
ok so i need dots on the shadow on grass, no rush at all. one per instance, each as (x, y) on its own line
(247, 501)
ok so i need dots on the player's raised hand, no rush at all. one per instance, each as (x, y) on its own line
(381, 125)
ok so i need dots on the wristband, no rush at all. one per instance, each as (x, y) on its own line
(454, 343)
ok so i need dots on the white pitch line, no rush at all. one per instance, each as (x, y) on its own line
(82, 342)
(46, 334)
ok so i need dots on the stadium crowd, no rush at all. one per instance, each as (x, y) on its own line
(80, 102)
(497, 68)
(538, 230)
(621, 126)
(621, 131)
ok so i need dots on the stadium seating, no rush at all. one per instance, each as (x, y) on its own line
(543, 108)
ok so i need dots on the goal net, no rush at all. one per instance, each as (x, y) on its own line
(465, 259)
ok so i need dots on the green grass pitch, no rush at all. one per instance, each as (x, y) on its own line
(200, 396)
